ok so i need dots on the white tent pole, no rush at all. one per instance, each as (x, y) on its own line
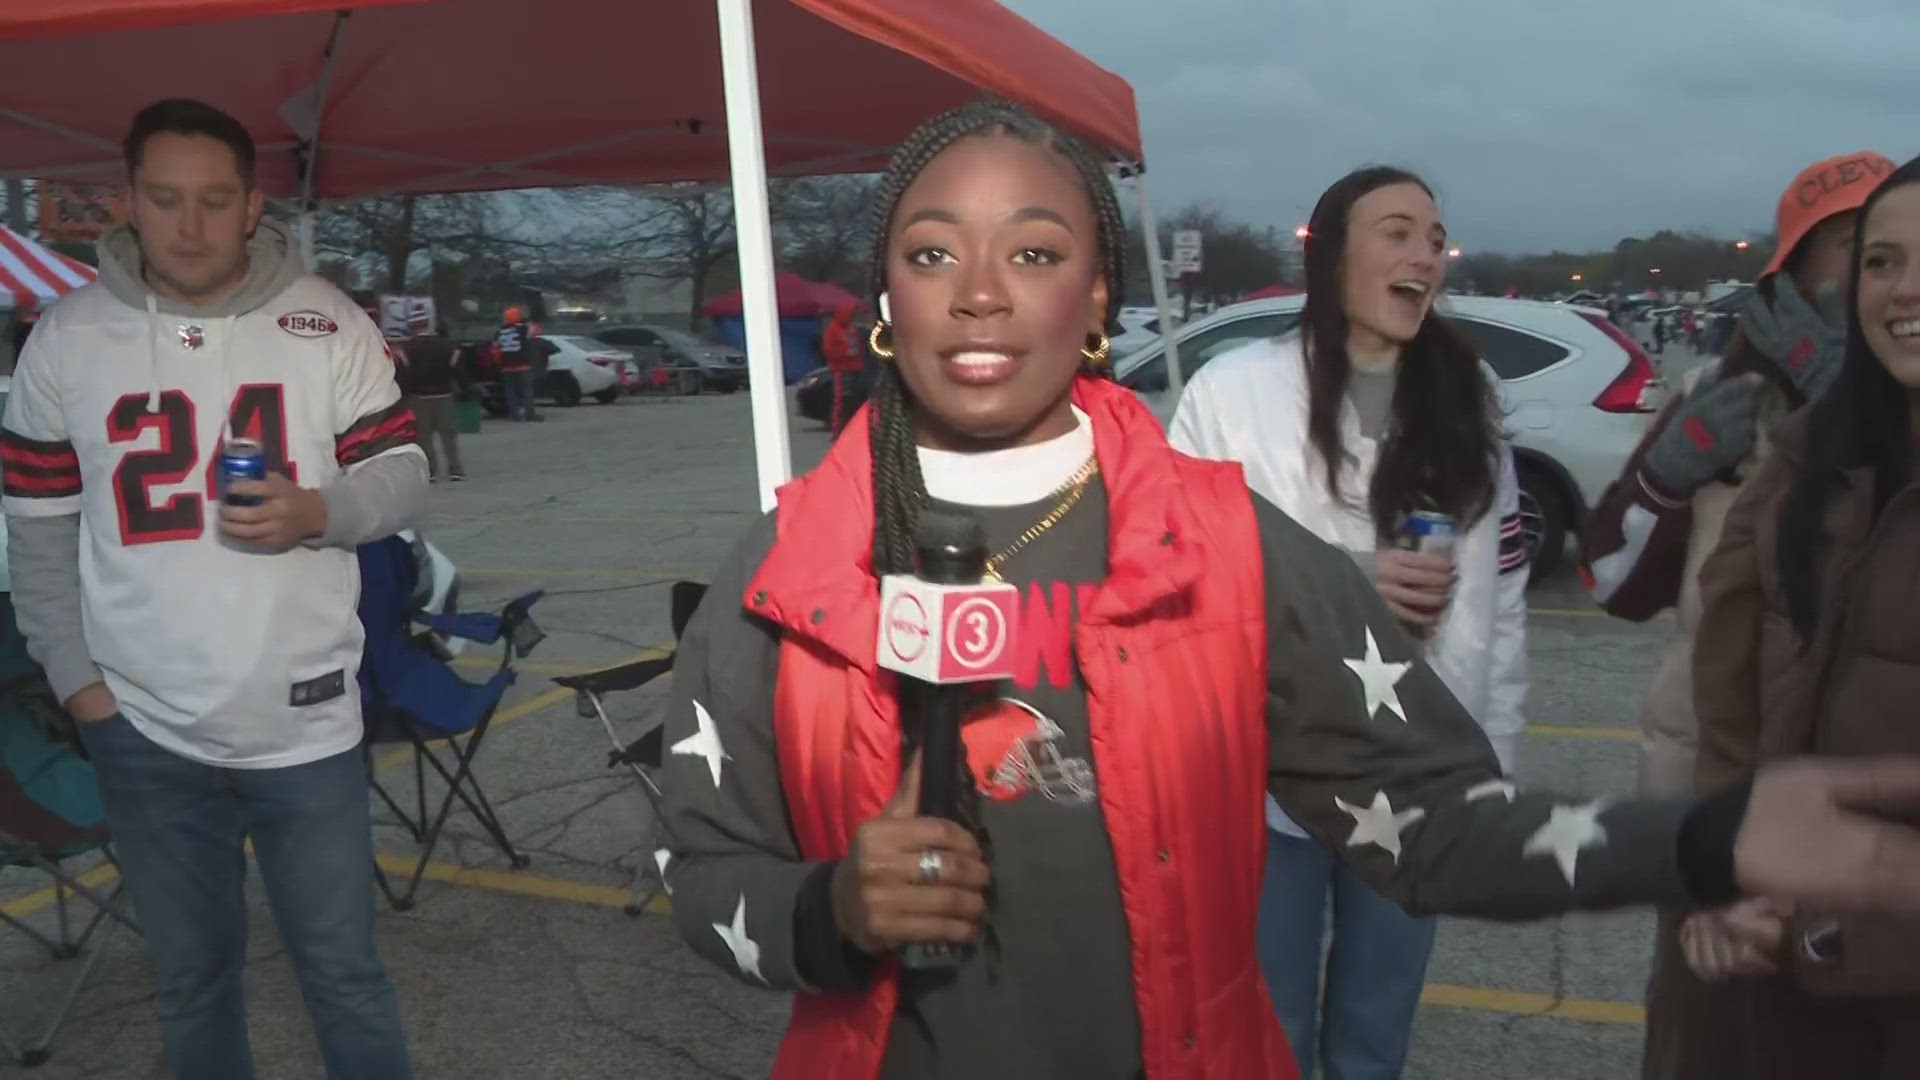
(312, 137)
(753, 228)
(1157, 272)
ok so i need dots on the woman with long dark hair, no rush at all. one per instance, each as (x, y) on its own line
(1651, 532)
(1181, 650)
(1375, 411)
(1810, 644)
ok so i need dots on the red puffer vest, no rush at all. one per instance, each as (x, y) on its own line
(1175, 664)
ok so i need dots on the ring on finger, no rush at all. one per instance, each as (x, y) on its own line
(930, 866)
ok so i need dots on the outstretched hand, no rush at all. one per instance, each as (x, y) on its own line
(1813, 834)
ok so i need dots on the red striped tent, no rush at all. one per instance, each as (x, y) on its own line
(31, 276)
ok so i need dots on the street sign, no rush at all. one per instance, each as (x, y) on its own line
(1186, 252)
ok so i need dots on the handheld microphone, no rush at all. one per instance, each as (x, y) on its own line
(946, 633)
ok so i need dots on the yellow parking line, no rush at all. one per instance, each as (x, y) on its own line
(35, 901)
(520, 883)
(1577, 731)
(1525, 1004)
(39, 900)
(485, 663)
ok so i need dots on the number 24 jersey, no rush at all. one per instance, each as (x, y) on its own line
(225, 655)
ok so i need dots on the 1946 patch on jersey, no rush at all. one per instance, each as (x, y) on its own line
(308, 324)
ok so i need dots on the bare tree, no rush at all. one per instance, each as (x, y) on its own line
(827, 225)
(456, 228)
(677, 232)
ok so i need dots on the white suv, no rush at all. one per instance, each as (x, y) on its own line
(1576, 392)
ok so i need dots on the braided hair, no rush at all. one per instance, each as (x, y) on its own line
(899, 491)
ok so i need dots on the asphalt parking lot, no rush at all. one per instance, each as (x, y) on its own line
(538, 973)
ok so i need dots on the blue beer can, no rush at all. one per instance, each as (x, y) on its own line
(241, 459)
(1428, 532)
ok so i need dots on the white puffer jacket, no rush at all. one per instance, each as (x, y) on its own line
(1250, 406)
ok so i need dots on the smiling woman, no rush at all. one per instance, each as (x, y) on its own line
(1376, 412)
(1823, 544)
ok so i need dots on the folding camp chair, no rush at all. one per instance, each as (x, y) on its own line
(644, 754)
(412, 696)
(50, 817)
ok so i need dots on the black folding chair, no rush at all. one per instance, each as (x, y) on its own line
(50, 820)
(645, 754)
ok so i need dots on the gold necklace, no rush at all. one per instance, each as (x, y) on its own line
(1069, 495)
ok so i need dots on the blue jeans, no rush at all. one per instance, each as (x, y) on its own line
(518, 387)
(179, 829)
(1374, 972)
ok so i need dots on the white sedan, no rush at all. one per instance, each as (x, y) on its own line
(1577, 393)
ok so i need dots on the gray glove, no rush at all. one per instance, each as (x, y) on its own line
(1711, 432)
(1807, 341)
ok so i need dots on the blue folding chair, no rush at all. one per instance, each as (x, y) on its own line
(50, 816)
(412, 696)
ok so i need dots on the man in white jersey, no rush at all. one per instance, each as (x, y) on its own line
(209, 650)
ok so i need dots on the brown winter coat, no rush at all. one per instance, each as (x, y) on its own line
(1762, 694)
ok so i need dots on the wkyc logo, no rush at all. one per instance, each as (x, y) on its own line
(308, 324)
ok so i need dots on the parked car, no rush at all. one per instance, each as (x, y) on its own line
(1576, 391)
(1139, 328)
(813, 394)
(577, 367)
(721, 368)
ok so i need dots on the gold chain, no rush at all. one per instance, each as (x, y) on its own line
(1069, 495)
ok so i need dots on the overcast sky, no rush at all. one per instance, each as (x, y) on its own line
(1541, 123)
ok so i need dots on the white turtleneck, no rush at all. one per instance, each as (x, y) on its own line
(1015, 477)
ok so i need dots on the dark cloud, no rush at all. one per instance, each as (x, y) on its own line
(1540, 124)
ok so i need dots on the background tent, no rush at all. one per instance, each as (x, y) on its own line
(1272, 291)
(32, 276)
(804, 306)
(795, 295)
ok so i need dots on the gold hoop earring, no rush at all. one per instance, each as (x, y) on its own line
(1098, 355)
(884, 352)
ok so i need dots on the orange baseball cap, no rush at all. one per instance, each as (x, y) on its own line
(1823, 189)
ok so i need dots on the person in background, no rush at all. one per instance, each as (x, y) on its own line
(1650, 533)
(1184, 649)
(429, 376)
(514, 340)
(208, 650)
(846, 355)
(1809, 643)
(1376, 409)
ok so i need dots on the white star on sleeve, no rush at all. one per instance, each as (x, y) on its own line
(1569, 831)
(704, 743)
(746, 952)
(1503, 788)
(1378, 679)
(1378, 824)
(660, 859)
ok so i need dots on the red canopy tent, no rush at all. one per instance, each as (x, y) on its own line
(362, 97)
(416, 98)
(797, 297)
